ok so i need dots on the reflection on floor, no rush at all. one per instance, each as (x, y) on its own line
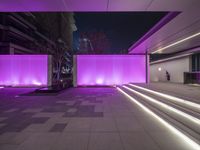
(80, 119)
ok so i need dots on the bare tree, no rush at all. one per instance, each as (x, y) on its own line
(60, 58)
(99, 41)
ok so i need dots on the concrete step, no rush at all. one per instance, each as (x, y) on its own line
(181, 123)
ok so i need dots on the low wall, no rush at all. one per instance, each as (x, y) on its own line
(25, 70)
(109, 69)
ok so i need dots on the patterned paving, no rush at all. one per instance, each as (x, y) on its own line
(79, 119)
(25, 111)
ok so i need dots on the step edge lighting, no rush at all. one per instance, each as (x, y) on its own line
(168, 107)
(193, 104)
(168, 125)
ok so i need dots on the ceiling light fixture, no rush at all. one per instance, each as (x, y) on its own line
(176, 43)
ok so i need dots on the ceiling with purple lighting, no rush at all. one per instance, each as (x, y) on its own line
(94, 5)
(185, 24)
(110, 69)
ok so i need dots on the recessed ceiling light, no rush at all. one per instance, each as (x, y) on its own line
(176, 43)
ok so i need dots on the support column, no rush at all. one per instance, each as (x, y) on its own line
(147, 66)
(74, 71)
(50, 70)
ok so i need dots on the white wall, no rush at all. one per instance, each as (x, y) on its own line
(175, 67)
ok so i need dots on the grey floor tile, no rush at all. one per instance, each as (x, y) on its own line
(39, 127)
(72, 141)
(5, 138)
(78, 124)
(2, 118)
(11, 110)
(48, 114)
(72, 110)
(58, 127)
(169, 140)
(105, 141)
(151, 124)
(123, 114)
(36, 110)
(128, 124)
(8, 147)
(54, 120)
(39, 141)
(70, 103)
(103, 124)
(99, 108)
(2, 125)
(138, 141)
(108, 115)
(62, 102)
(14, 138)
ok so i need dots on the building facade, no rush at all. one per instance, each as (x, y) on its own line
(35, 33)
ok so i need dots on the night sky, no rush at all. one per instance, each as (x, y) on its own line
(121, 29)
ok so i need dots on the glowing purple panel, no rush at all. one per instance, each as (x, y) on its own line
(23, 70)
(110, 69)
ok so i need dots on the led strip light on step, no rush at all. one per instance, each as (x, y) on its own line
(165, 123)
(181, 113)
(168, 96)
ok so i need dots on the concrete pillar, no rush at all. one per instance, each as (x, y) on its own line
(147, 68)
(50, 71)
(74, 71)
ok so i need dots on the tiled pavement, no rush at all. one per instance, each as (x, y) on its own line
(79, 119)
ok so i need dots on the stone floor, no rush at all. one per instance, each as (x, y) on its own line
(80, 119)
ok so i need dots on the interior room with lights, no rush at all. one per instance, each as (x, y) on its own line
(99, 75)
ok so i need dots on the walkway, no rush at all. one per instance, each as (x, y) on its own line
(80, 119)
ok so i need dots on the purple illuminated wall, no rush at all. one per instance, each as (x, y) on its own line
(23, 70)
(110, 69)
